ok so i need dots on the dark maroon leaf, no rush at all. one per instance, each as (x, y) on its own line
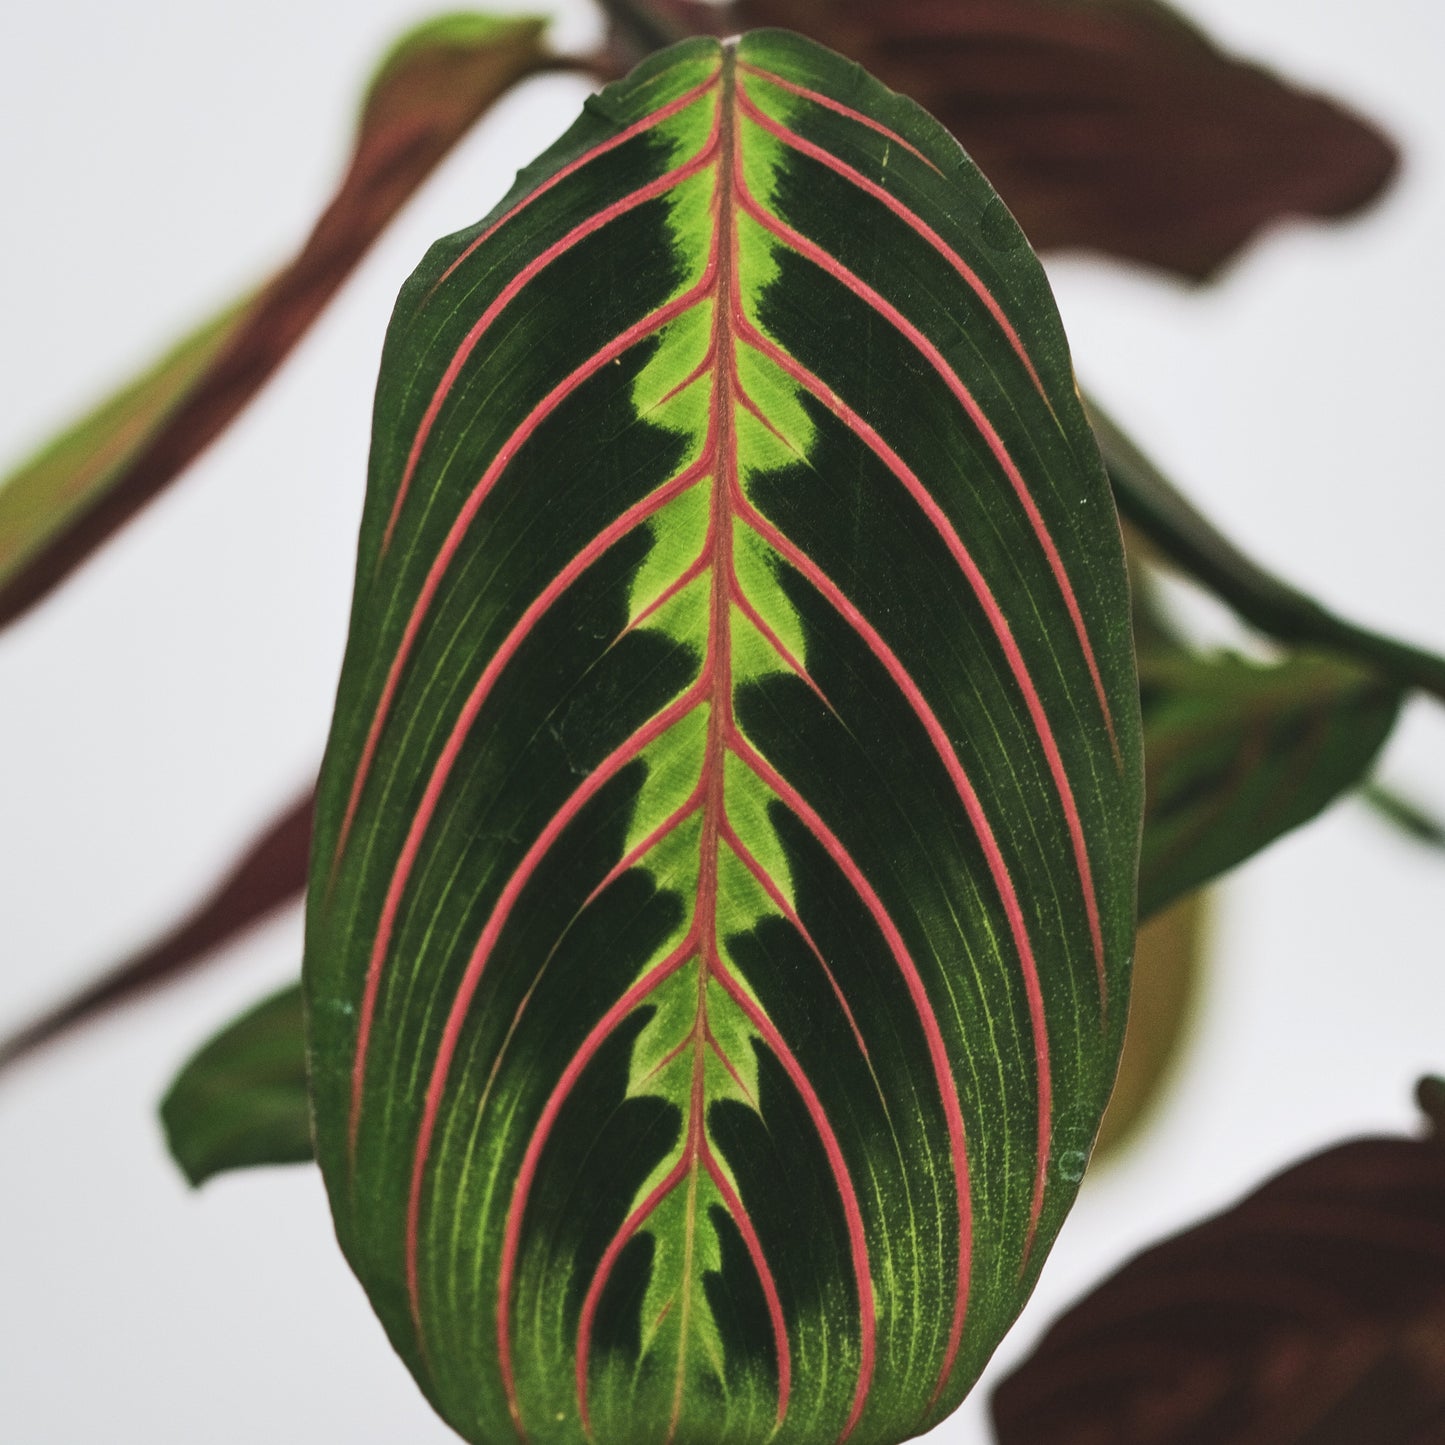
(1312, 1313)
(270, 874)
(1107, 125)
(65, 502)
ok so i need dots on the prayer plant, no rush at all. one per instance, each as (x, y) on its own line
(750, 765)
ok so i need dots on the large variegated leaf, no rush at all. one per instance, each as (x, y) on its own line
(723, 885)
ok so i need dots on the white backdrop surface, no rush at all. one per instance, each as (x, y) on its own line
(154, 157)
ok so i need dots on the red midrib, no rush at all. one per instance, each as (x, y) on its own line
(713, 688)
(731, 328)
(717, 684)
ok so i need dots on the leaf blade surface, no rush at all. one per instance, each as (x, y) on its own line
(240, 1101)
(720, 768)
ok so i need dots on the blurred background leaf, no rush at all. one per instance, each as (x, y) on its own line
(1107, 125)
(1312, 1313)
(1405, 814)
(268, 875)
(1182, 536)
(1169, 956)
(242, 1099)
(1239, 753)
(62, 504)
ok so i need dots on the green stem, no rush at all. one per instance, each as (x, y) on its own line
(1190, 541)
(1405, 814)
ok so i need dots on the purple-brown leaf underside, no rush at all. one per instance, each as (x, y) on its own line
(65, 503)
(1107, 125)
(1312, 1313)
(269, 875)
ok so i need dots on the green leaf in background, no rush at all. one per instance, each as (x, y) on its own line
(1169, 958)
(57, 508)
(1235, 755)
(1108, 125)
(241, 1100)
(1405, 814)
(724, 878)
(1311, 1313)
(1238, 753)
(1186, 539)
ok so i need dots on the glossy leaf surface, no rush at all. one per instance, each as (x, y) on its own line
(1239, 753)
(1107, 125)
(1312, 1313)
(241, 1100)
(723, 892)
(270, 874)
(68, 499)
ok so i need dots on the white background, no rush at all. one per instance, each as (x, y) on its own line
(156, 155)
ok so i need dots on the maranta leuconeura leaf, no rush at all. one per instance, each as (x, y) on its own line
(1113, 125)
(723, 885)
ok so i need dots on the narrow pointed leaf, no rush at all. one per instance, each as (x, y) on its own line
(269, 875)
(57, 508)
(1190, 542)
(1237, 754)
(1411, 818)
(1312, 1313)
(1107, 125)
(1169, 956)
(718, 934)
(241, 1101)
